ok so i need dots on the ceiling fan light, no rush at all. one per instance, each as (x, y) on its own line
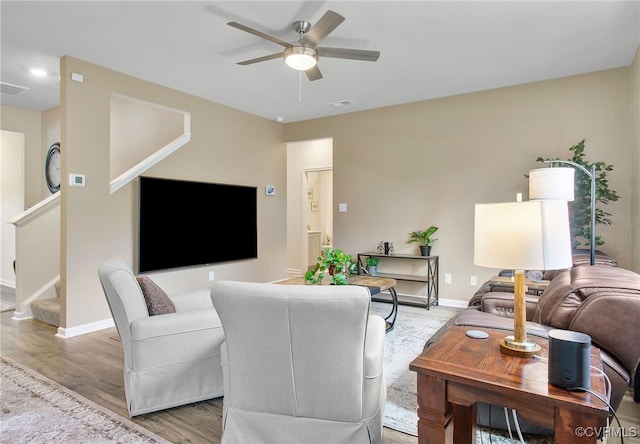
(300, 58)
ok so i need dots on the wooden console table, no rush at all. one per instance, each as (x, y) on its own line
(374, 284)
(456, 372)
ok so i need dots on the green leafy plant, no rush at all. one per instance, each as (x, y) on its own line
(423, 238)
(580, 208)
(337, 263)
(372, 261)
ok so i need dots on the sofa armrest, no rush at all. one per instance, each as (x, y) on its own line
(374, 347)
(502, 304)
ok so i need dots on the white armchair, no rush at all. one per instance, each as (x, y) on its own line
(170, 359)
(301, 364)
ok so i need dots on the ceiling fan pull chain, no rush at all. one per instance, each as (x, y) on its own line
(300, 86)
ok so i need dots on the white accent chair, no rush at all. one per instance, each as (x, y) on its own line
(170, 359)
(302, 364)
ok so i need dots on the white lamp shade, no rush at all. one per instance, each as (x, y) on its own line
(531, 235)
(551, 184)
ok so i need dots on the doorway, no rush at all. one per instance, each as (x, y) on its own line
(13, 201)
(309, 201)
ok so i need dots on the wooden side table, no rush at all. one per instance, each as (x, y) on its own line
(456, 372)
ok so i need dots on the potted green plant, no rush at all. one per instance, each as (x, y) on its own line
(372, 265)
(424, 239)
(337, 263)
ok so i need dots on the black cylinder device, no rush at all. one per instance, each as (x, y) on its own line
(569, 359)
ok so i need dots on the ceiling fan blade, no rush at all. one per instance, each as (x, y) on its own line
(327, 23)
(345, 53)
(277, 55)
(314, 73)
(259, 34)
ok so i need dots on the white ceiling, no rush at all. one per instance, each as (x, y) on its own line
(428, 49)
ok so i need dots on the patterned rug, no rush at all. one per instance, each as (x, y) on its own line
(35, 409)
(414, 325)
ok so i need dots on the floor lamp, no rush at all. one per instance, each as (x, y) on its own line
(522, 236)
(554, 183)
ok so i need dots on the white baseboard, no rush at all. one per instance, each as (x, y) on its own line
(453, 303)
(65, 333)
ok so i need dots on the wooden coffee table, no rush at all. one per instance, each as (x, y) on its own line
(374, 284)
(456, 372)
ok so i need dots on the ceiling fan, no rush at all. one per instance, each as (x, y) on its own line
(303, 55)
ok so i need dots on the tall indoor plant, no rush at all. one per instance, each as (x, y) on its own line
(580, 208)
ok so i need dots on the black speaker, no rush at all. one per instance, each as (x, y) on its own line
(569, 359)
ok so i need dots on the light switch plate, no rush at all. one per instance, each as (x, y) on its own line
(342, 208)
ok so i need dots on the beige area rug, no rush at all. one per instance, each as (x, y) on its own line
(413, 327)
(35, 409)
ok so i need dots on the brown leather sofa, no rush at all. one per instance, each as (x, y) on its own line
(602, 301)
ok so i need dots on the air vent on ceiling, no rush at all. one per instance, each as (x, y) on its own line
(340, 103)
(12, 90)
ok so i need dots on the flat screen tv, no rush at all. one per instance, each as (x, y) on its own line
(184, 223)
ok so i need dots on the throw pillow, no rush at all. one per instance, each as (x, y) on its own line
(156, 299)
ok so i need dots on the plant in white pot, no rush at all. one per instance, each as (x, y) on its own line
(423, 238)
(372, 265)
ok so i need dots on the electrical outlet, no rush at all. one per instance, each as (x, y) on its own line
(212, 275)
(447, 278)
(474, 280)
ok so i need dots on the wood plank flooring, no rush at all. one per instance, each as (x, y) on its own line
(91, 365)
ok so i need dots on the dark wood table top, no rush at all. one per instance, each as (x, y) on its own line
(479, 363)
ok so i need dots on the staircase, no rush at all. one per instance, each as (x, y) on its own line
(48, 310)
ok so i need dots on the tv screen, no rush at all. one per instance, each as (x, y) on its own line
(183, 223)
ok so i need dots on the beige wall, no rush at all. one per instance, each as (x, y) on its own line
(30, 124)
(227, 146)
(399, 169)
(403, 168)
(635, 164)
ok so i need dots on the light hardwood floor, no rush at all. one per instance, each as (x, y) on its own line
(91, 365)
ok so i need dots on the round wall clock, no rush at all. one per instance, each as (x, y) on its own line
(52, 168)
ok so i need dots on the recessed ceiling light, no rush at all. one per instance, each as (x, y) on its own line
(38, 72)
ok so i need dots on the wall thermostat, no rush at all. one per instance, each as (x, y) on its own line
(76, 180)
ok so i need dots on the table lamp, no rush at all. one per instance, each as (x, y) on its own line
(522, 236)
